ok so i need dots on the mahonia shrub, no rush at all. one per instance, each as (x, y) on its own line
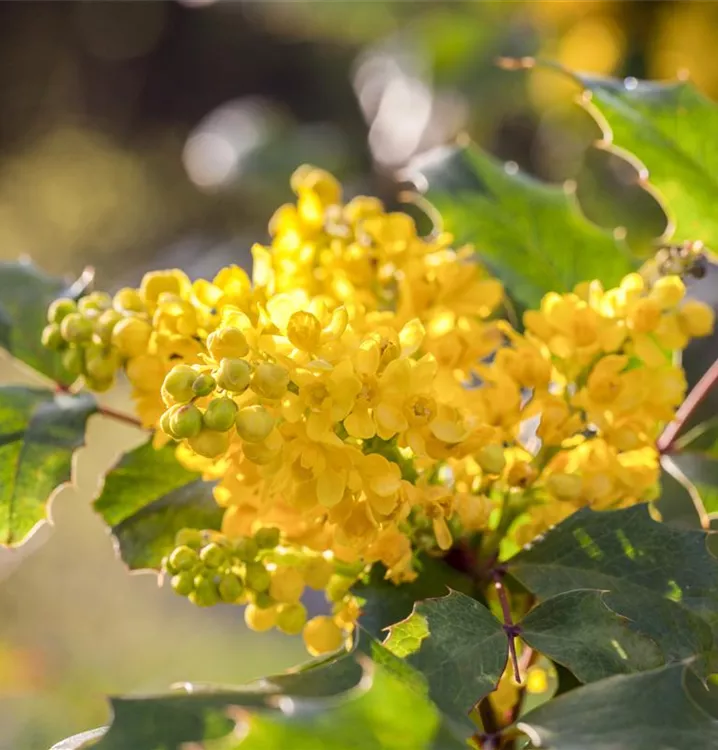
(375, 422)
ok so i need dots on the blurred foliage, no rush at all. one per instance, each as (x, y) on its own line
(138, 135)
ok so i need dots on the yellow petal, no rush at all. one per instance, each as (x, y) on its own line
(411, 337)
(330, 487)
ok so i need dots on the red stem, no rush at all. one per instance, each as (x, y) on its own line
(511, 629)
(105, 411)
(702, 388)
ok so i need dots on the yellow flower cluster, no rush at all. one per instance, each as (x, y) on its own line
(360, 395)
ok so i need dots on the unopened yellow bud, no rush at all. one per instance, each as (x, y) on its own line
(317, 573)
(94, 303)
(105, 325)
(60, 309)
(270, 381)
(209, 443)
(322, 635)
(100, 366)
(220, 414)
(338, 587)
(564, 486)
(227, 342)
(131, 336)
(51, 336)
(259, 619)
(287, 585)
(128, 300)
(491, 459)
(233, 375)
(304, 330)
(645, 315)
(668, 291)
(73, 360)
(696, 318)
(76, 328)
(254, 423)
(177, 385)
(291, 618)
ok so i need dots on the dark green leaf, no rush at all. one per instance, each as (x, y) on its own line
(663, 579)
(531, 235)
(148, 497)
(702, 472)
(671, 128)
(644, 711)
(680, 502)
(39, 432)
(386, 603)
(458, 646)
(25, 293)
(578, 630)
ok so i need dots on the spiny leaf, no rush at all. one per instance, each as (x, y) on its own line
(39, 432)
(25, 293)
(458, 646)
(578, 630)
(661, 578)
(643, 711)
(531, 235)
(147, 498)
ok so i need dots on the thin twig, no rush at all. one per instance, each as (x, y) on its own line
(510, 628)
(702, 388)
(105, 411)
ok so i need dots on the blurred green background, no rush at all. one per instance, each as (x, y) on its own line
(144, 135)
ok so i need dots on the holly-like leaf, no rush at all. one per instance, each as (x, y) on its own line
(663, 579)
(643, 711)
(148, 496)
(25, 293)
(531, 235)
(671, 128)
(458, 646)
(39, 432)
(385, 603)
(577, 629)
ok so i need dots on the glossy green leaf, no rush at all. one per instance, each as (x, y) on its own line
(663, 579)
(39, 432)
(458, 646)
(577, 629)
(671, 128)
(148, 496)
(531, 235)
(643, 711)
(25, 293)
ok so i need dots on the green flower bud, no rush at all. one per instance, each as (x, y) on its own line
(246, 549)
(183, 583)
(291, 618)
(51, 336)
(189, 538)
(94, 302)
(257, 577)
(185, 421)
(73, 360)
(213, 555)
(177, 386)
(267, 537)
(230, 588)
(220, 414)
(105, 324)
(76, 328)
(99, 385)
(491, 459)
(270, 381)
(60, 309)
(338, 587)
(209, 443)
(262, 600)
(166, 422)
(204, 385)
(233, 375)
(100, 366)
(254, 423)
(182, 558)
(205, 593)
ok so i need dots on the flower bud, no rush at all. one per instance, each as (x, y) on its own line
(131, 336)
(230, 588)
(189, 538)
(245, 549)
(94, 303)
(73, 360)
(183, 583)
(262, 600)
(257, 577)
(182, 558)
(322, 635)
(668, 291)
(185, 421)
(270, 381)
(205, 593)
(209, 443)
(99, 385)
(128, 300)
(338, 587)
(204, 385)
(258, 619)
(105, 325)
(317, 573)
(267, 537)
(220, 414)
(100, 366)
(254, 423)
(291, 618)
(60, 309)
(287, 585)
(51, 336)
(304, 330)
(233, 375)
(213, 555)
(177, 385)
(227, 342)
(76, 328)
(696, 318)
(564, 486)
(491, 459)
